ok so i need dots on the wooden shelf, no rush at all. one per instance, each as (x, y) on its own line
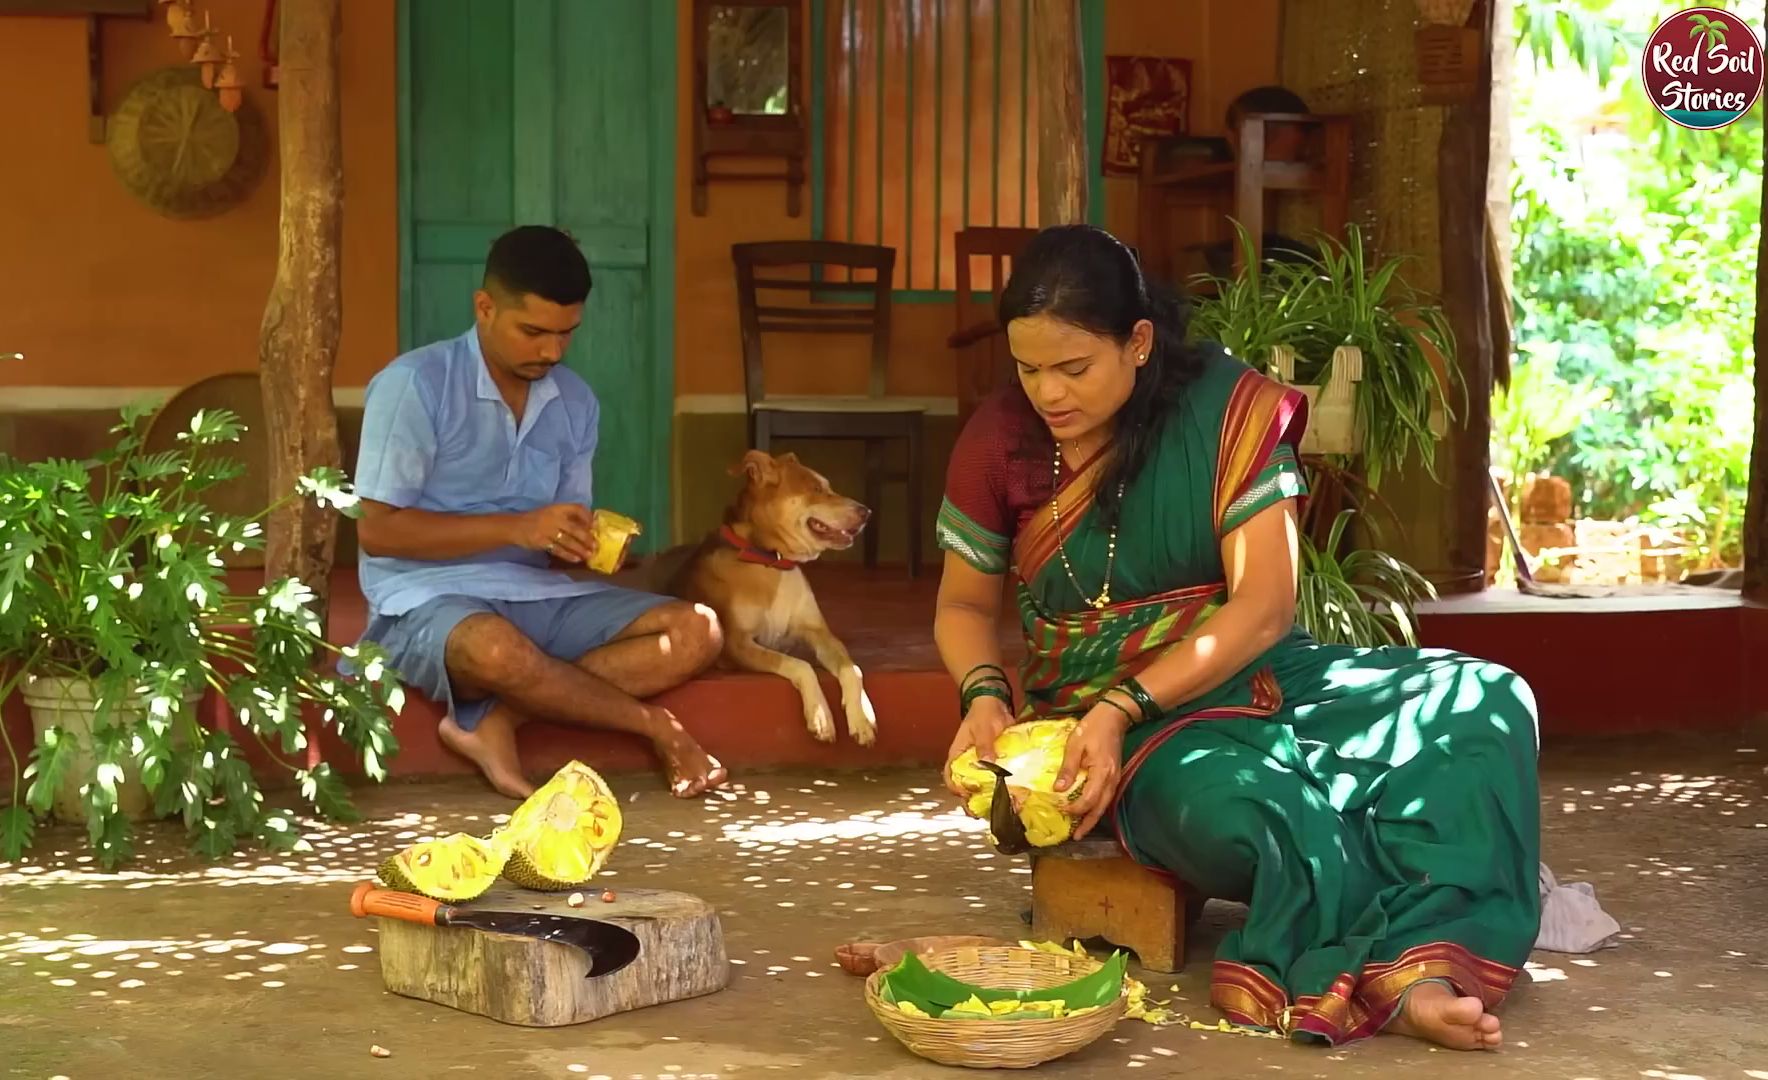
(1219, 190)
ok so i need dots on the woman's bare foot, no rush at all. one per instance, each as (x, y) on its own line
(492, 747)
(1434, 1013)
(692, 771)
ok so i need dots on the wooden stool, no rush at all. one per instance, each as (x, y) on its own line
(1091, 888)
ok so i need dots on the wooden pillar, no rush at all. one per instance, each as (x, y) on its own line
(298, 340)
(1755, 521)
(1061, 111)
(1462, 208)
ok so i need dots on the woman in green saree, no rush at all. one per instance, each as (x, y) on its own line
(1376, 809)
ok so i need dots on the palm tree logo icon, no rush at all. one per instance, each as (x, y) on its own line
(1714, 30)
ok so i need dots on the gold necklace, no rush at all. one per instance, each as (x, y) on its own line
(1099, 602)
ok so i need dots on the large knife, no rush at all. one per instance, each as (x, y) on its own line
(607, 947)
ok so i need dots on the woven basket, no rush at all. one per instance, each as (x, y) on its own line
(997, 1044)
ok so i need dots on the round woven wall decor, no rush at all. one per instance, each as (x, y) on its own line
(176, 149)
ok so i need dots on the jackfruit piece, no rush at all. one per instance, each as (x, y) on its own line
(452, 869)
(1032, 752)
(909, 1008)
(562, 834)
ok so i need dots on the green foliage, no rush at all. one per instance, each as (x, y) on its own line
(1537, 410)
(1366, 598)
(1341, 296)
(1635, 258)
(111, 574)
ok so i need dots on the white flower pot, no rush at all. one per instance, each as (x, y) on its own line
(69, 705)
(1334, 426)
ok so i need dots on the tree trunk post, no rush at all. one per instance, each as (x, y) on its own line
(1061, 111)
(1463, 208)
(1755, 520)
(298, 340)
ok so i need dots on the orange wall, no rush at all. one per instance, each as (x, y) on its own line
(1232, 45)
(96, 289)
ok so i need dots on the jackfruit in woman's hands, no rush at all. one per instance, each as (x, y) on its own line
(1032, 753)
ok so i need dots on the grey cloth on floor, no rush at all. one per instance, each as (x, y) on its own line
(1571, 919)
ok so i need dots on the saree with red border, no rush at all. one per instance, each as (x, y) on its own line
(1376, 809)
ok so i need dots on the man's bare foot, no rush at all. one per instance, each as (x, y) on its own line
(692, 771)
(1434, 1013)
(492, 747)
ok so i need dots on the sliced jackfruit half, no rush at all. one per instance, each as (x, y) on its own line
(1032, 753)
(563, 833)
(452, 869)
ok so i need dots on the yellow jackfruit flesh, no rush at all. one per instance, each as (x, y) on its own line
(452, 869)
(562, 834)
(1032, 753)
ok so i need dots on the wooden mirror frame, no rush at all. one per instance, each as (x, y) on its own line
(748, 135)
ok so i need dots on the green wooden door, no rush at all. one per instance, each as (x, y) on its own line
(555, 112)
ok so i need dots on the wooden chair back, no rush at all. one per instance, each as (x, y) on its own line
(979, 338)
(812, 287)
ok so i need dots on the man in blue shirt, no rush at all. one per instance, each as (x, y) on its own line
(475, 479)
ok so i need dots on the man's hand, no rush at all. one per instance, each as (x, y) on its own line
(562, 530)
(1095, 747)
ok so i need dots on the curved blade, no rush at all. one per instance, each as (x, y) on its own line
(608, 947)
(1003, 820)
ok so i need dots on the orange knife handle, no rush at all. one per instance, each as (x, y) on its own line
(392, 904)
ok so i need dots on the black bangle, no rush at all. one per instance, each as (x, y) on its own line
(982, 690)
(1127, 715)
(1151, 709)
(999, 674)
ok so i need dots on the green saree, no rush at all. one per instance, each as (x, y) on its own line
(1376, 809)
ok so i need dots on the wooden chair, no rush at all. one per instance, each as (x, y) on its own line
(983, 362)
(834, 301)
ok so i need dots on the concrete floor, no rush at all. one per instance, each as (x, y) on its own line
(253, 968)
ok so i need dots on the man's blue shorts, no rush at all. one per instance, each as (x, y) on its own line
(563, 627)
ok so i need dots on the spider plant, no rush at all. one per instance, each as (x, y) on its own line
(1365, 598)
(1339, 296)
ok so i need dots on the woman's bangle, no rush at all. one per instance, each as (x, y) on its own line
(999, 675)
(1150, 708)
(1103, 700)
(982, 690)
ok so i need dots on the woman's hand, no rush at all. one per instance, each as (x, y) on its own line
(987, 718)
(1096, 747)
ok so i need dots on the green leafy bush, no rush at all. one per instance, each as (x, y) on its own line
(111, 574)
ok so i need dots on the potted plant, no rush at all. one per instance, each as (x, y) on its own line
(116, 616)
(1364, 597)
(1372, 355)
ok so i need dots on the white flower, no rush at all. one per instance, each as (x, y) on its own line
(135, 591)
(196, 594)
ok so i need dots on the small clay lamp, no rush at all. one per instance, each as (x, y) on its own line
(228, 86)
(207, 56)
(181, 21)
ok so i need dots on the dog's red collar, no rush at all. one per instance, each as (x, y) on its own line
(747, 552)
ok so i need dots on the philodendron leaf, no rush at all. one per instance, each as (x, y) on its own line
(50, 762)
(17, 830)
(321, 786)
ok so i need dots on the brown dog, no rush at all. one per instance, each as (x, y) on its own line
(748, 572)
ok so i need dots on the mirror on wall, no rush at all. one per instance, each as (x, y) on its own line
(748, 100)
(748, 59)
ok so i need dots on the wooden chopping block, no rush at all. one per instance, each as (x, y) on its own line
(524, 980)
(1090, 888)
